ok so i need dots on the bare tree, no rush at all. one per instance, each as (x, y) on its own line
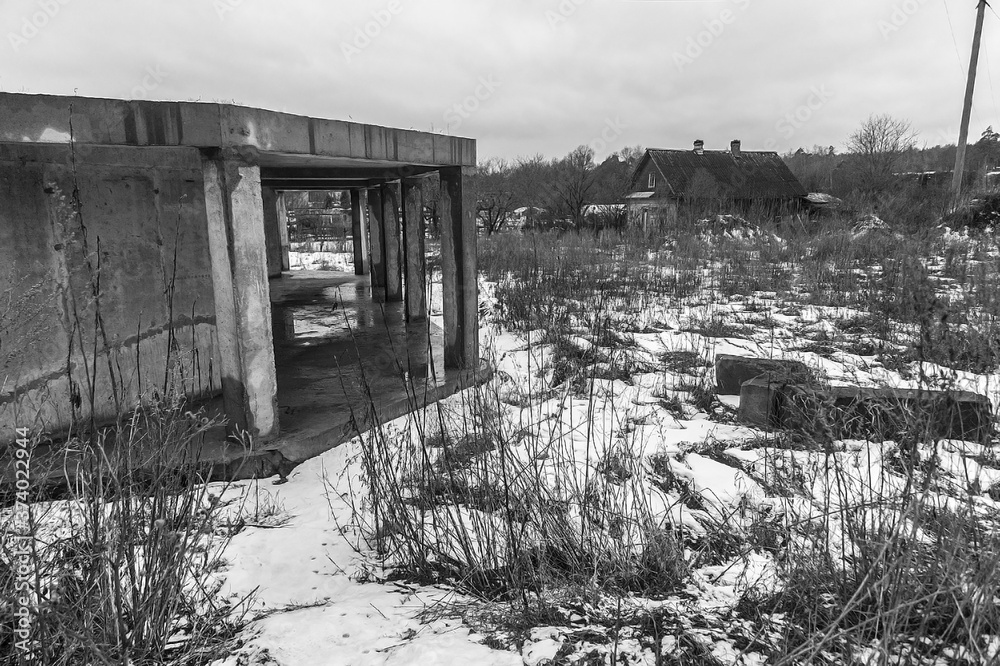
(494, 187)
(574, 177)
(879, 144)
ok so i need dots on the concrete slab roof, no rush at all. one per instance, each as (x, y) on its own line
(280, 140)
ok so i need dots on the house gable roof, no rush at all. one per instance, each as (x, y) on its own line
(752, 175)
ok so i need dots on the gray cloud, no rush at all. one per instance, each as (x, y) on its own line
(564, 67)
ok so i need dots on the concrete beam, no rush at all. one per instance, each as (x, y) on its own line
(321, 185)
(361, 173)
(359, 232)
(237, 246)
(875, 414)
(113, 122)
(458, 268)
(393, 243)
(376, 242)
(413, 249)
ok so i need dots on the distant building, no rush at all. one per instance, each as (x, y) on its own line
(317, 215)
(525, 216)
(665, 180)
(605, 215)
(820, 203)
(936, 180)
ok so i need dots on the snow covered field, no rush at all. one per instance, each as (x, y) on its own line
(596, 502)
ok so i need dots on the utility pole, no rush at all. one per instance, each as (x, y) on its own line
(963, 132)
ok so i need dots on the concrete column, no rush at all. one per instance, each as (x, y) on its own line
(272, 232)
(413, 249)
(376, 243)
(359, 234)
(458, 268)
(286, 264)
(393, 243)
(235, 212)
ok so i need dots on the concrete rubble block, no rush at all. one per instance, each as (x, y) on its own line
(732, 371)
(761, 402)
(850, 412)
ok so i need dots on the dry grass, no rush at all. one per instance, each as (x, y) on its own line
(884, 562)
(121, 567)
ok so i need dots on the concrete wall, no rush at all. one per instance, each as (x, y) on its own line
(101, 306)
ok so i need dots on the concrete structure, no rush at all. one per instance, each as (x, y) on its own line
(842, 412)
(735, 180)
(138, 239)
(731, 371)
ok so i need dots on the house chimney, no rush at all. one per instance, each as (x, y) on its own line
(735, 147)
(699, 147)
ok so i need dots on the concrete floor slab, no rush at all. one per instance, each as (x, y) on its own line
(345, 361)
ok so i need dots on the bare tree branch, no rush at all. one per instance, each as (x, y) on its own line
(879, 144)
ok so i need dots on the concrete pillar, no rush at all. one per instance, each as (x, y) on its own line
(236, 237)
(272, 233)
(413, 249)
(359, 234)
(376, 243)
(393, 243)
(458, 268)
(286, 264)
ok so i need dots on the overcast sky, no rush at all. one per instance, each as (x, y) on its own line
(529, 76)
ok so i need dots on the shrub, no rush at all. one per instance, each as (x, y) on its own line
(121, 568)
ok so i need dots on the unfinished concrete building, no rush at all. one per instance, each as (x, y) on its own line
(145, 250)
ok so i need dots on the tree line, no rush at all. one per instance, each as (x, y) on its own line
(555, 192)
(885, 169)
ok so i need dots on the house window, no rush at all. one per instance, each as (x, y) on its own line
(652, 181)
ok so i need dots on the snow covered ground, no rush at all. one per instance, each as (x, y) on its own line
(655, 450)
(321, 261)
(596, 502)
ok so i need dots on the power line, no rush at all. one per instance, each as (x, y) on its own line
(963, 134)
(958, 54)
(989, 73)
